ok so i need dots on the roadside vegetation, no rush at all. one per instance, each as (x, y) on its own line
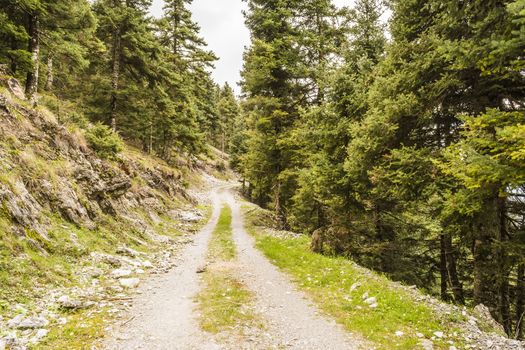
(390, 315)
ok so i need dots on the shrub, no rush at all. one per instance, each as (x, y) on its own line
(104, 141)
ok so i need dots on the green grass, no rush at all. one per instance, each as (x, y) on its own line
(31, 266)
(82, 329)
(221, 245)
(329, 281)
(224, 300)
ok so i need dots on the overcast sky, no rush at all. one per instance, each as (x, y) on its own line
(222, 26)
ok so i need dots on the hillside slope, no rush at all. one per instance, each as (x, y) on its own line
(68, 218)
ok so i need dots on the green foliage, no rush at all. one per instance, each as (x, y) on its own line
(345, 283)
(147, 78)
(491, 152)
(104, 141)
(405, 155)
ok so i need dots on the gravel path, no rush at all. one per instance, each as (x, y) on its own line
(292, 322)
(162, 316)
(162, 313)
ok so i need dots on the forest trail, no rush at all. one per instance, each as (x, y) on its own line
(161, 315)
(163, 312)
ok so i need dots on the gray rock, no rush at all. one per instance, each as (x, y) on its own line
(127, 251)
(129, 282)
(66, 302)
(190, 216)
(16, 89)
(355, 286)
(483, 313)
(32, 323)
(119, 273)
(40, 334)
(14, 322)
(147, 264)
(11, 340)
(108, 259)
(426, 344)
(23, 207)
(371, 300)
(95, 272)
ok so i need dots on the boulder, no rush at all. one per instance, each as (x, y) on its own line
(23, 207)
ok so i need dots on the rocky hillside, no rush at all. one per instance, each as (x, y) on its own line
(75, 229)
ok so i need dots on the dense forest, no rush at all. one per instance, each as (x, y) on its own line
(110, 62)
(402, 149)
(400, 145)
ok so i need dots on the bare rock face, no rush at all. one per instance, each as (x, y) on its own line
(63, 198)
(16, 89)
(22, 207)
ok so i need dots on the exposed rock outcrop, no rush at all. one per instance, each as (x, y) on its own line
(50, 169)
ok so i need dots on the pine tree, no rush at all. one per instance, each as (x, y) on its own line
(324, 199)
(14, 38)
(131, 46)
(33, 24)
(189, 86)
(292, 46)
(228, 111)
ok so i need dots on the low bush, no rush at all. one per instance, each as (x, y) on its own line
(104, 141)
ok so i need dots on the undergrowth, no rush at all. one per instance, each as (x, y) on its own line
(338, 286)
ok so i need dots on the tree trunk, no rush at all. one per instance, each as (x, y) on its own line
(115, 77)
(520, 301)
(278, 209)
(50, 74)
(150, 150)
(452, 273)
(13, 65)
(485, 264)
(503, 283)
(34, 49)
(443, 268)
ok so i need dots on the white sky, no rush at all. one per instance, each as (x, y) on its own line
(222, 26)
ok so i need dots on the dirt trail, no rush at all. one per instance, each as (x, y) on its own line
(163, 314)
(292, 322)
